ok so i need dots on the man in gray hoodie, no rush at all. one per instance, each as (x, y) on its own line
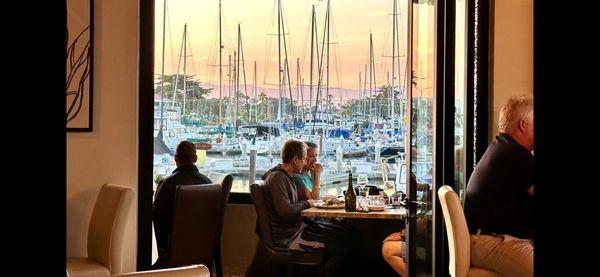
(287, 226)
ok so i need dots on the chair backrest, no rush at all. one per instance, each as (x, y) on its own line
(184, 271)
(226, 180)
(107, 226)
(260, 197)
(197, 216)
(459, 242)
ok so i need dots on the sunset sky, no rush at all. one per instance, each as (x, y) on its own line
(352, 20)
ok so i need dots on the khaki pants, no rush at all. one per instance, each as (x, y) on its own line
(504, 254)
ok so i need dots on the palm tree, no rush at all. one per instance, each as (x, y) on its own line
(262, 97)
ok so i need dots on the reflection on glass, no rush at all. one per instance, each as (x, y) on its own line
(459, 98)
(423, 92)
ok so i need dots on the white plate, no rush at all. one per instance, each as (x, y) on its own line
(376, 208)
(322, 206)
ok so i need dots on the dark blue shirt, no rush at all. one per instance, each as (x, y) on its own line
(497, 200)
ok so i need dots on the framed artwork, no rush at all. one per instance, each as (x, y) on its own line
(79, 58)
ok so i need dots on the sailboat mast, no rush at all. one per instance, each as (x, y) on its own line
(279, 59)
(162, 71)
(302, 97)
(230, 83)
(253, 96)
(297, 85)
(365, 91)
(220, 70)
(237, 77)
(389, 99)
(313, 42)
(243, 69)
(394, 34)
(372, 79)
(184, 68)
(358, 104)
(327, 87)
(176, 81)
(370, 76)
(286, 72)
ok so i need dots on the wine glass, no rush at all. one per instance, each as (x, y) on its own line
(362, 180)
(389, 188)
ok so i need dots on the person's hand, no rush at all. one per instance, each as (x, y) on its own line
(317, 168)
(312, 202)
(393, 237)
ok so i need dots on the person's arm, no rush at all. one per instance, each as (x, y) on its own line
(282, 204)
(303, 192)
(316, 179)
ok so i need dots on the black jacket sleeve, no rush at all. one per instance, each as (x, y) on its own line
(161, 212)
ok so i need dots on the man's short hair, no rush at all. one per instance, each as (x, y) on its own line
(292, 148)
(515, 109)
(186, 152)
(311, 145)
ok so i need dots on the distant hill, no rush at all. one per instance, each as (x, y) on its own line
(273, 92)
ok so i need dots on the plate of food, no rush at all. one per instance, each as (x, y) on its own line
(377, 207)
(330, 202)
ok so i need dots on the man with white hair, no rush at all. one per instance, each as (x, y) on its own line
(499, 196)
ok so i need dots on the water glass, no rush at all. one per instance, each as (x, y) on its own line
(362, 180)
(362, 204)
(363, 191)
(376, 200)
(395, 200)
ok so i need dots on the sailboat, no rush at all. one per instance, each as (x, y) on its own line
(387, 139)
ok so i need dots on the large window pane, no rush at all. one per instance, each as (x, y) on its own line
(239, 77)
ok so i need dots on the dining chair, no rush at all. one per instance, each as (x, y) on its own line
(459, 240)
(105, 234)
(184, 271)
(197, 217)
(274, 254)
(226, 181)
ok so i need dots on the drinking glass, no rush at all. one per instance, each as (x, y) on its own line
(362, 180)
(362, 204)
(389, 188)
(363, 191)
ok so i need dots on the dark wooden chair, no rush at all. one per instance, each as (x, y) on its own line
(197, 221)
(274, 254)
(226, 180)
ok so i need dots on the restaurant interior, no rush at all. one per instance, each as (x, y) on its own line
(109, 164)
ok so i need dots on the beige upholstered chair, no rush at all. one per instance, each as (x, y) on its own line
(185, 271)
(105, 234)
(459, 240)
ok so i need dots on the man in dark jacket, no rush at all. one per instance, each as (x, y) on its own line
(288, 228)
(186, 173)
(499, 197)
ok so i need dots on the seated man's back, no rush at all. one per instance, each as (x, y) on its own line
(162, 210)
(496, 199)
(283, 206)
(499, 197)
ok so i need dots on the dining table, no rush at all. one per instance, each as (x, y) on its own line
(367, 232)
(326, 212)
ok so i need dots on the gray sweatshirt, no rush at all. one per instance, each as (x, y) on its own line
(283, 205)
